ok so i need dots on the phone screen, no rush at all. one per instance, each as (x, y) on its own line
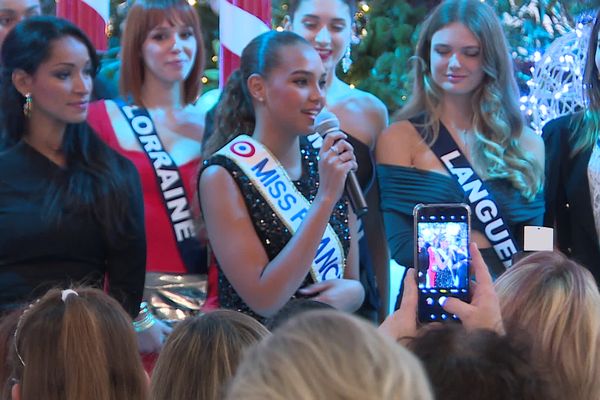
(441, 257)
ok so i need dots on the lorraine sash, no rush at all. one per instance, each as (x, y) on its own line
(273, 183)
(170, 185)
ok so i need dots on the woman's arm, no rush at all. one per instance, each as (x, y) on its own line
(344, 294)
(267, 285)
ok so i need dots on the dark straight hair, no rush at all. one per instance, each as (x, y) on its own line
(93, 180)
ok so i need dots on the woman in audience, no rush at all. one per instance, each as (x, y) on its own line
(465, 98)
(274, 212)
(202, 354)
(8, 324)
(162, 62)
(479, 364)
(572, 188)
(329, 355)
(557, 302)
(74, 345)
(70, 207)
(329, 26)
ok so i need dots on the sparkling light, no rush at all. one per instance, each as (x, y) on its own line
(556, 86)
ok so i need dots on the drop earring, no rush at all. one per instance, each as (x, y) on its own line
(27, 106)
(347, 60)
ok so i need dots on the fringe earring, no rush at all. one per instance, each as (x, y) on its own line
(27, 105)
(347, 60)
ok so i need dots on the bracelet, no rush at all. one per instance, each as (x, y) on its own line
(145, 319)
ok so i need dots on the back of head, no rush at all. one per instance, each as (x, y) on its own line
(144, 16)
(201, 355)
(82, 347)
(478, 365)
(27, 46)
(557, 301)
(329, 355)
(292, 309)
(8, 324)
(234, 114)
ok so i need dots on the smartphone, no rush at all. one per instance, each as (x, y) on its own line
(442, 259)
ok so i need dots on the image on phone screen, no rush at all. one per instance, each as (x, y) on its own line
(442, 258)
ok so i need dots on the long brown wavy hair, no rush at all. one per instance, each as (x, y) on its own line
(497, 120)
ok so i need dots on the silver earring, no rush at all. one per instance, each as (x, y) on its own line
(347, 60)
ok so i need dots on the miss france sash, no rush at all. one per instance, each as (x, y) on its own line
(170, 185)
(272, 181)
(479, 198)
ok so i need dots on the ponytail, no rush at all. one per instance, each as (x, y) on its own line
(72, 345)
(83, 354)
(234, 114)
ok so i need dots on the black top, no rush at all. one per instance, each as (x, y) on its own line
(365, 174)
(401, 188)
(37, 254)
(568, 200)
(270, 230)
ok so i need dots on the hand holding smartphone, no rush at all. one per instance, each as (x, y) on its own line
(442, 260)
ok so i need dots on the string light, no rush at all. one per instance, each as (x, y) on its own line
(556, 85)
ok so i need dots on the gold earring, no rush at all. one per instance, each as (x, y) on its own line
(27, 106)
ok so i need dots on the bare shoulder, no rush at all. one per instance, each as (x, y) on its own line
(220, 196)
(533, 143)
(361, 114)
(397, 144)
(214, 178)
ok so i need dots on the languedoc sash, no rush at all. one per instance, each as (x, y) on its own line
(272, 181)
(170, 185)
(484, 207)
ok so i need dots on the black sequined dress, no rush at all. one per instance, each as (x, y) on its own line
(270, 230)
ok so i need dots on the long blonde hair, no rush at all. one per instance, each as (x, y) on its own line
(557, 301)
(327, 354)
(202, 354)
(497, 120)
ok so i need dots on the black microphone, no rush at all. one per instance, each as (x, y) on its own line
(326, 122)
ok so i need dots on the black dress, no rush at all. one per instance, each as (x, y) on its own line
(567, 191)
(37, 254)
(270, 230)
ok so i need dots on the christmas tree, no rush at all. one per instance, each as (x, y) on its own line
(388, 31)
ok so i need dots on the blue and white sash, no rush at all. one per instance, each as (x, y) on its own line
(290, 206)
